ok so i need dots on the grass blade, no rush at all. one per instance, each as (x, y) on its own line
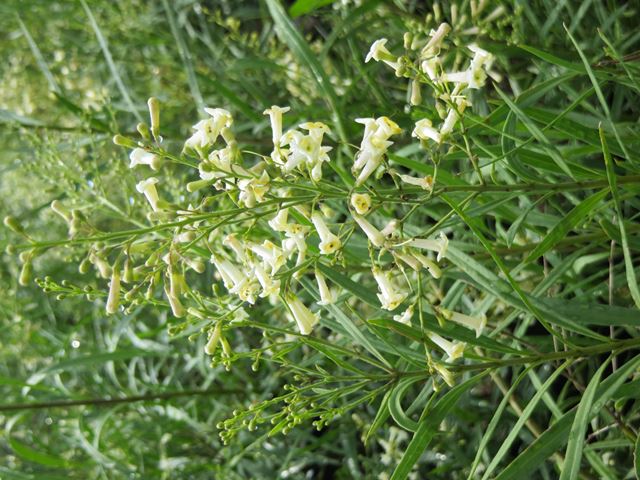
(429, 426)
(110, 63)
(632, 282)
(526, 413)
(573, 455)
(564, 226)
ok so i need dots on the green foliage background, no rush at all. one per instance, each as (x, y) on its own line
(75, 73)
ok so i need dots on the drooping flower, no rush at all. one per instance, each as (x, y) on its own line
(373, 147)
(140, 156)
(454, 350)
(148, 188)
(379, 53)
(405, 317)
(373, 234)
(438, 245)
(327, 297)
(361, 202)
(271, 254)
(329, 242)
(389, 297)
(305, 319)
(207, 131)
(472, 323)
(275, 117)
(424, 131)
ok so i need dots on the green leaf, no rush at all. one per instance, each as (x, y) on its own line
(35, 456)
(395, 404)
(573, 455)
(495, 420)
(302, 7)
(429, 426)
(357, 289)
(632, 281)
(290, 35)
(381, 417)
(522, 419)
(350, 327)
(564, 226)
(549, 58)
(636, 458)
(555, 436)
(110, 63)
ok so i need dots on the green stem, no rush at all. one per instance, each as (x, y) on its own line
(12, 407)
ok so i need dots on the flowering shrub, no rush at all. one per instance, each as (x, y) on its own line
(429, 252)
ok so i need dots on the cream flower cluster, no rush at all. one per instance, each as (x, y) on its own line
(449, 87)
(252, 265)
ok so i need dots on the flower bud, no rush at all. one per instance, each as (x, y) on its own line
(13, 223)
(143, 130)
(123, 141)
(113, 300)
(26, 273)
(154, 114)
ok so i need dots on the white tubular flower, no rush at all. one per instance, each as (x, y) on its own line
(472, 323)
(316, 130)
(305, 319)
(139, 156)
(405, 317)
(253, 190)
(268, 284)
(234, 244)
(279, 222)
(174, 302)
(424, 131)
(426, 183)
(387, 127)
(407, 258)
(208, 130)
(379, 53)
(388, 296)
(370, 126)
(148, 188)
(271, 254)
(326, 295)
(416, 94)
(390, 228)
(437, 37)
(432, 67)
(454, 350)
(438, 245)
(361, 202)
(430, 265)
(235, 281)
(329, 242)
(113, 300)
(373, 234)
(446, 375)
(275, 117)
(214, 339)
(374, 145)
(449, 122)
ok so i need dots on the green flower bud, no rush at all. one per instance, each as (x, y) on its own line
(143, 130)
(13, 223)
(123, 141)
(154, 114)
